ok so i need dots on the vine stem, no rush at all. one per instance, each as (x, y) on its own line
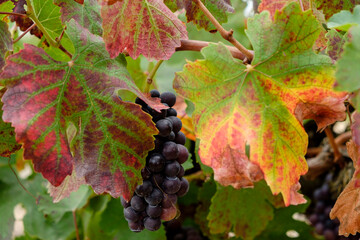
(76, 226)
(24, 33)
(227, 35)
(149, 79)
(330, 136)
(14, 14)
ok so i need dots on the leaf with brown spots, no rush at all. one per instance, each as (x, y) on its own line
(263, 104)
(45, 98)
(218, 8)
(335, 45)
(329, 8)
(347, 206)
(146, 27)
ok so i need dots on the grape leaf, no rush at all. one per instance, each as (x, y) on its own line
(218, 9)
(5, 42)
(145, 27)
(347, 206)
(355, 128)
(253, 105)
(335, 46)
(344, 20)
(88, 14)
(234, 210)
(8, 144)
(5, 6)
(44, 96)
(329, 8)
(348, 71)
(273, 5)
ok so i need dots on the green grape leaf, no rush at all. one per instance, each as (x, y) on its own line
(5, 6)
(145, 27)
(335, 45)
(234, 210)
(348, 71)
(45, 97)
(329, 8)
(263, 104)
(87, 14)
(344, 20)
(218, 8)
(284, 221)
(5, 43)
(8, 144)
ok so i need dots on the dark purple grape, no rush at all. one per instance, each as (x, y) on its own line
(327, 211)
(152, 224)
(169, 98)
(169, 200)
(156, 163)
(136, 226)
(144, 189)
(131, 215)
(180, 138)
(157, 179)
(171, 112)
(155, 197)
(183, 154)
(124, 203)
(329, 234)
(319, 207)
(138, 203)
(171, 136)
(313, 219)
(325, 190)
(153, 211)
(317, 195)
(170, 151)
(158, 143)
(319, 228)
(329, 224)
(154, 93)
(164, 126)
(140, 102)
(145, 173)
(171, 185)
(181, 172)
(176, 122)
(184, 188)
(172, 169)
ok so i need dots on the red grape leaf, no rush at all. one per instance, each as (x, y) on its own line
(5, 42)
(262, 104)
(246, 212)
(79, 1)
(218, 8)
(347, 206)
(8, 144)
(88, 14)
(145, 27)
(329, 8)
(44, 97)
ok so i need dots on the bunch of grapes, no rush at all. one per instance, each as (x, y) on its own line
(154, 200)
(320, 217)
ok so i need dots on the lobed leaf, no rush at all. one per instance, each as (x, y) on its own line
(347, 206)
(46, 97)
(145, 27)
(263, 104)
(344, 20)
(218, 8)
(5, 42)
(237, 215)
(87, 14)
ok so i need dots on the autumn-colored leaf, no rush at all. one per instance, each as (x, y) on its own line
(246, 212)
(329, 8)
(45, 97)
(218, 8)
(8, 144)
(335, 45)
(262, 104)
(145, 27)
(347, 206)
(5, 42)
(79, 1)
(355, 128)
(87, 14)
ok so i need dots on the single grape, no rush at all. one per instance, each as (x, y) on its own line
(171, 136)
(184, 188)
(319, 228)
(172, 169)
(168, 213)
(169, 200)
(325, 190)
(136, 226)
(171, 185)
(152, 224)
(153, 211)
(124, 203)
(169, 98)
(155, 197)
(180, 138)
(171, 112)
(164, 126)
(176, 122)
(154, 93)
(157, 179)
(170, 150)
(144, 189)
(327, 211)
(183, 154)
(131, 215)
(317, 195)
(181, 172)
(319, 207)
(313, 218)
(138, 203)
(329, 234)
(156, 163)
(145, 173)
